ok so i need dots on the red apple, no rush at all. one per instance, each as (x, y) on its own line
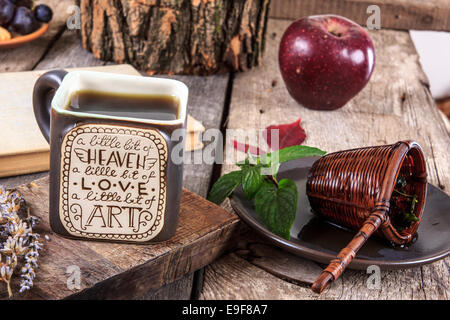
(325, 60)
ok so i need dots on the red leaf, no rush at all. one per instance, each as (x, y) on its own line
(245, 147)
(291, 134)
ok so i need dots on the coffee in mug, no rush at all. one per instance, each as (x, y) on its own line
(112, 176)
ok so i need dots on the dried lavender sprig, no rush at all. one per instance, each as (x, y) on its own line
(18, 242)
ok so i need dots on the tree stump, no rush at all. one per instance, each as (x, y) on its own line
(176, 36)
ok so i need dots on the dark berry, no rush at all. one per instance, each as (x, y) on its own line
(43, 13)
(24, 21)
(23, 3)
(6, 12)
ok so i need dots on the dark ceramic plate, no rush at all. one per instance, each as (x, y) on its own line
(318, 240)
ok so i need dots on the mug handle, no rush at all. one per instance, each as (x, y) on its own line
(43, 93)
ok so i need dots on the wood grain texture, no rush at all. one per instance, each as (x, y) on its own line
(395, 105)
(206, 103)
(67, 52)
(444, 106)
(178, 290)
(183, 37)
(121, 271)
(14, 181)
(397, 14)
(231, 277)
(283, 265)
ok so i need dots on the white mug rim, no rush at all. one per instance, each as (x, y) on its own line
(105, 82)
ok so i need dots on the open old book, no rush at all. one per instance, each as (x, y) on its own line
(23, 149)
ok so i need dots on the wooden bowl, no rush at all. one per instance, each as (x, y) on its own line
(18, 41)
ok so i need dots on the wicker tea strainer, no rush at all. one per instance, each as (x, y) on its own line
(353, 189)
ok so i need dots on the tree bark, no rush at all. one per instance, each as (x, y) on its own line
(176, 36)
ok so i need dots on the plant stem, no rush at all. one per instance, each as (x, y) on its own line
(403, 194)
(8, 285)
(272, 178)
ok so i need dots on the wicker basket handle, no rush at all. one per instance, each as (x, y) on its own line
(346, 255)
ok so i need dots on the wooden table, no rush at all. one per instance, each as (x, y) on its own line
(61, 48)
(395, 105)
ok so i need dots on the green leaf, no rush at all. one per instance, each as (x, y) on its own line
(277, 206)
(251, 180)
(224, 186)
(275, 202)
(291, 153)
(250, 160)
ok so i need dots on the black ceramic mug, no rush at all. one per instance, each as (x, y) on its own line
(112, 177)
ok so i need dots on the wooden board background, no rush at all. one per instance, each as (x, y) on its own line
(395, 14)
(61, 48)
(126, 271)
(250, 272)
(396, 104)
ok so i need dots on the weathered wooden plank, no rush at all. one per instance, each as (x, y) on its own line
(177, 290)
(206, 103)
(444, 106)
(126, 271)
(27, 56)
(231, 277)
(398, 14)
(284, 265)
(395, 105)
(67, 52)
(12, 182)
